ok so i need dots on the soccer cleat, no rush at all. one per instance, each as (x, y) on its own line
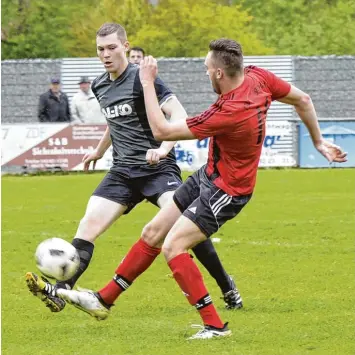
(86, 301)
(232, 298)
(45, 291)
(208, 332)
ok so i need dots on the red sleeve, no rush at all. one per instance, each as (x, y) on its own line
(278, 87)
(210, 123)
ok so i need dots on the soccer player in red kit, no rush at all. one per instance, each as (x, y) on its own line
(218, 191)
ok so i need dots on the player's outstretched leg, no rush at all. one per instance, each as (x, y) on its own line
(87, 301)
(206, 253)
(85, 250)
(138, 259)
(45, 291)
(100, 214)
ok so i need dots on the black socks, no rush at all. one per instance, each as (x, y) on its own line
(207, 256)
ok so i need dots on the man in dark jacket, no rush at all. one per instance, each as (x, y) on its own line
(54, 104)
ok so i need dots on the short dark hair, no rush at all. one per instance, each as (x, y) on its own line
(228, 53)
(109, 28)
(138, 49)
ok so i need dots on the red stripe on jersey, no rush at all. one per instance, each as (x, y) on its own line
(202, 118)
(206, 114)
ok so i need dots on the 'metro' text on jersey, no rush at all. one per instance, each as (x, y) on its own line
(117, 110)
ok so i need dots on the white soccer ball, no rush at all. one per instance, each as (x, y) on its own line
(57, 259)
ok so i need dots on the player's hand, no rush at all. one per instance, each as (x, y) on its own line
(93, 156)
(148, 69)
(332, 152)
(153, 156)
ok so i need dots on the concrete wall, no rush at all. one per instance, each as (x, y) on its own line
(330, 81)
(22, 82)
(187, 78)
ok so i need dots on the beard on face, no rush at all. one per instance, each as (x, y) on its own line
(215, 85)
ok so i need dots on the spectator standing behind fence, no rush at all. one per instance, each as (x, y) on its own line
(53, 104)
(84, 106)
(135, 55)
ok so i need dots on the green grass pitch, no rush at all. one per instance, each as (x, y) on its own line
(291, 251)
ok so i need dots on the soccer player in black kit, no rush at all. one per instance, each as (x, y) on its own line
(142, 169)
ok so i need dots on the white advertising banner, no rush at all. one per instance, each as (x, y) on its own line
(278, 148)
(48, 146)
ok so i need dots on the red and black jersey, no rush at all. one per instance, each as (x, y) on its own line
(236, 125)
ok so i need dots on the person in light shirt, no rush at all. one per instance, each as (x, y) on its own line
(84, 106)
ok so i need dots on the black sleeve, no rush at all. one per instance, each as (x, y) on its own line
(163, 92)
(42, 109)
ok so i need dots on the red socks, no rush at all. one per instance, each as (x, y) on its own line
(138, 259)
(190, 280)
(185, 271)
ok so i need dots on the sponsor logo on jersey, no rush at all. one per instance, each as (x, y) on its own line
(117, 111)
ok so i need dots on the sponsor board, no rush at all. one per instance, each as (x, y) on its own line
(48, 146)
(341, 133)
(51, 146)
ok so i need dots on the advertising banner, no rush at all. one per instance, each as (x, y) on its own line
(62, 146)
(341, 133)
(48, 146)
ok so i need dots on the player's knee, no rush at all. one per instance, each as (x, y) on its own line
(171, 248)
(168, 251)
(152, 235)
(89, 228)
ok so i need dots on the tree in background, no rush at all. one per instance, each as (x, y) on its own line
(178, 28)
(173, 28)
(305, 27)
(34, 29)
(131, 14)
(183, 28)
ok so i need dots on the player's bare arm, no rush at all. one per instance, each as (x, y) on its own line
(161, 128)
(175, 111)
(98, 153)
(306, 111)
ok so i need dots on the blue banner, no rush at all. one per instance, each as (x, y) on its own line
(341, 133)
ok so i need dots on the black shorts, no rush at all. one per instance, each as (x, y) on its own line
(205, 204)
(129, 191)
